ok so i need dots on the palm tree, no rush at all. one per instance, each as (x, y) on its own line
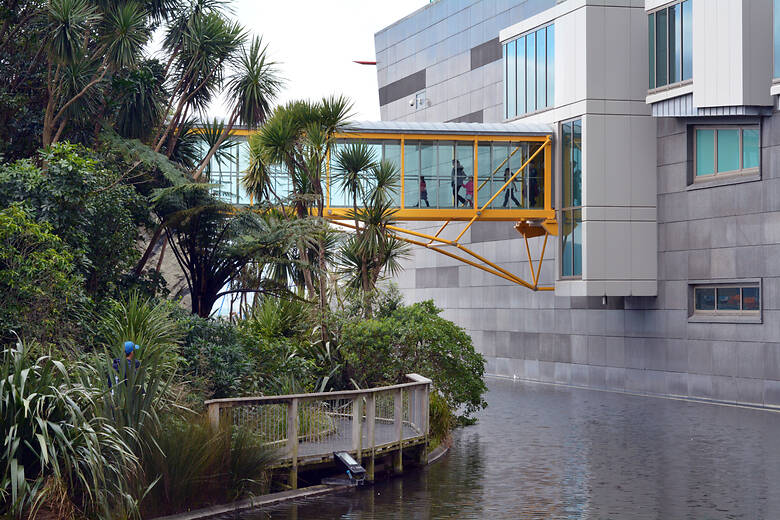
(85, 41)
(371, 251)
(251, 89)
(298, 138)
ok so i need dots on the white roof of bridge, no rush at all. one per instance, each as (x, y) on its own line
(408, 127)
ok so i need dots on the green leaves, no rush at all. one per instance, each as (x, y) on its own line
(125, 32)
(254, 85)
(416, 339)
(52, 435)
(68, 22)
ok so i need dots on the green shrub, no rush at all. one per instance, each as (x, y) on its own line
(79, 197)
(216, 356)
(38, 284)
(139, 394)
(191, 465)
(441, 419)
(50, 436)
(416, 339)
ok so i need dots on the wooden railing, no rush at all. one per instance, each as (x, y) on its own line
(308, 428)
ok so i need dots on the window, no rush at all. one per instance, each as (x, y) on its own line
(727, 300)
(776, 17)
(529, 70)
(670, 40)
(571, 234)
(225, 171)
(726, 150)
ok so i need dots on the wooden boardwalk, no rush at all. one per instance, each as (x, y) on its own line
(308, 428)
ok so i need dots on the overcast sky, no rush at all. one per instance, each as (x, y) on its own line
(315, 42)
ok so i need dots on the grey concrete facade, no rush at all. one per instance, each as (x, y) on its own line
(713, 232)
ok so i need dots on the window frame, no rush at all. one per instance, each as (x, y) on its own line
(741, 171)
(549, 74)
(573, 210)
(724, 315)
(670, 60)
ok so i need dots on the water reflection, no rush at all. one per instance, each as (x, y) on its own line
(540, 451)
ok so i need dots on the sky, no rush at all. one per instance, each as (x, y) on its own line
(315, 42)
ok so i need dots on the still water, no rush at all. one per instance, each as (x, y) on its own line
(541, 451)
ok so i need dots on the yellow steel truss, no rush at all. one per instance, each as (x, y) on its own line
(530, 223)
(535, 226)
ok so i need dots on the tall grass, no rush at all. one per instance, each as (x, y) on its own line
(198, 466)
(140, 390)
(51, 442)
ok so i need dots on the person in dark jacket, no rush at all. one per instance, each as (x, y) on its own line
(458, 177)
(130, 360)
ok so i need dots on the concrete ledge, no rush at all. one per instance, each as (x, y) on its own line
(674, 397)
(440, 451)
(255, 502)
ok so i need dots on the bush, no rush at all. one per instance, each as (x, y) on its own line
(52, 443)
(38, 283)
(416, 339)
(216, 356)
(198, 466)
(441, 419)
(95, 216)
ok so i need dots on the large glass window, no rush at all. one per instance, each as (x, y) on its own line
(670, 42)
(511, 78)
(571, 233)
(727, 300)
(726, 150)
(226, 170)
(529, 68)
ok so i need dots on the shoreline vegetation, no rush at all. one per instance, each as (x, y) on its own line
(105, 170)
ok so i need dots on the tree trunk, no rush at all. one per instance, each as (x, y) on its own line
(213, 150)
(139, 267)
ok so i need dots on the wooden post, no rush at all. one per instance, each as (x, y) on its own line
(213, 412)
(424, 392)
(292, 441)
(357, 426)
(398, 416)
(371, 439)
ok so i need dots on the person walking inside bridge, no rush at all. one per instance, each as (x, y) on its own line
(509, 191)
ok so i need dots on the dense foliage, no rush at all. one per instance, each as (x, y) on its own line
(82, 203)
(102, 169)
(38, 280)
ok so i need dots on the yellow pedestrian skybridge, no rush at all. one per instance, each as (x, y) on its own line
(457, 172)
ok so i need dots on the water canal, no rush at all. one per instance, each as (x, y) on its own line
(542, 451)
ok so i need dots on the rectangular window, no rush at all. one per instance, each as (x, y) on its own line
(529, 68)
(530, 72)
(511, 77)
(727, 300)
(550, 64)
(776, 18)
(571, 234)
(651, 47)
(661, 43)
(670, 42)
(726, 150)
(520, 79)
(541, 60)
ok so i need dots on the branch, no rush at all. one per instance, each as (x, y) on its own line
(80, 94)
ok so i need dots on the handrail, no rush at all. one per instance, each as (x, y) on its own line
(276, 399)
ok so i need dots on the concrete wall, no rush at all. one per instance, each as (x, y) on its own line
(453, 42)
(646, 344)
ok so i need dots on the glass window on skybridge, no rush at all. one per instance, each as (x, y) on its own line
(498, 162)
(438, 174)
(378, 150)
